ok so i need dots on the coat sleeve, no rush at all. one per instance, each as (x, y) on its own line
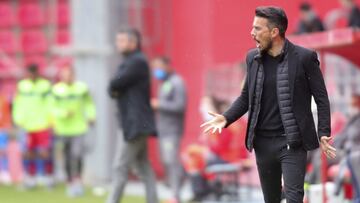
(132, 73)
(318, 90)
(241, 105)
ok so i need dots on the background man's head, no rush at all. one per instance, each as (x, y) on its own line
(161, 67)
(269, 24)
(347, 3)
(32, 71)
(67, 74)
(305, 11)
(128, 40)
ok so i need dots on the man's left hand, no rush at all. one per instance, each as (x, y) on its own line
(329, 150)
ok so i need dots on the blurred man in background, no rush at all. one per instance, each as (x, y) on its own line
(73, 110)
(131, 89)
(170, 106)
(353, 12)
(309, 21)
(31, 112)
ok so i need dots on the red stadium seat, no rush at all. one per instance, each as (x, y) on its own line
(61, 62)
(63, 37)
(8, 42)
(7, 62)
(34, 41)
(7, 18)
(63, 14)
(7, 66)
(31, 14)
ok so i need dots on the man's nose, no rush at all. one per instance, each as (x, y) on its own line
(252, 33)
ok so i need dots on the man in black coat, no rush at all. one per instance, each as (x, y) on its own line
(131, 90)
(282, 78)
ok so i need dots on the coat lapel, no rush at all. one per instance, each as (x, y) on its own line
(292, 67)
(252, 76)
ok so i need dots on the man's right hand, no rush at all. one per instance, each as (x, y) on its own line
(217, 123)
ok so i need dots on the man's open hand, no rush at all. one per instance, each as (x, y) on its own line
(329, 150)
(217, 123)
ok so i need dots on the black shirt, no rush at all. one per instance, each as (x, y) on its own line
(269, 120)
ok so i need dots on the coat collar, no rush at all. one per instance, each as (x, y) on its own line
(284, 51)
(289, 53)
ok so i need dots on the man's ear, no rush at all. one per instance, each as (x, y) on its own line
(275, 32)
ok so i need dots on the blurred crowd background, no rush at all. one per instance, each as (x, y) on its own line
(205, 42)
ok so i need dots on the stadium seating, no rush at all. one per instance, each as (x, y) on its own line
(40, 60)
(7, 17)
(63, 37)
(63, 14)
(30, 14)
(34, 42)
(8, 42)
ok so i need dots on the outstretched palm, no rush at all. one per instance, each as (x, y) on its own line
(215, 124)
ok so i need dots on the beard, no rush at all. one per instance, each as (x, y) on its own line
(125, 52)
(267, 47)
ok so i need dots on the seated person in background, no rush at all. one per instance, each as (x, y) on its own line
(227, 147)
(353, 12)
(309, 21)
(348, 142)
(313, 175)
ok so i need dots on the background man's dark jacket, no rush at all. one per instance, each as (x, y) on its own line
(131, 86)
(305, 80)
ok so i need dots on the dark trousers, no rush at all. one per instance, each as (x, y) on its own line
(73, 149)
(275, 160)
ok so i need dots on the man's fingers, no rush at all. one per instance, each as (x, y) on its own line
(213, 114)
(326, 138)
(332, 148)
(215, 129)
(206, 123)
(208, 129)
(327, 146)
(331, 154)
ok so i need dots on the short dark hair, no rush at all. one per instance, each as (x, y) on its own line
(166, 60)
(33, 68)
(133, 33)
(305, 6)
(276, 17)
